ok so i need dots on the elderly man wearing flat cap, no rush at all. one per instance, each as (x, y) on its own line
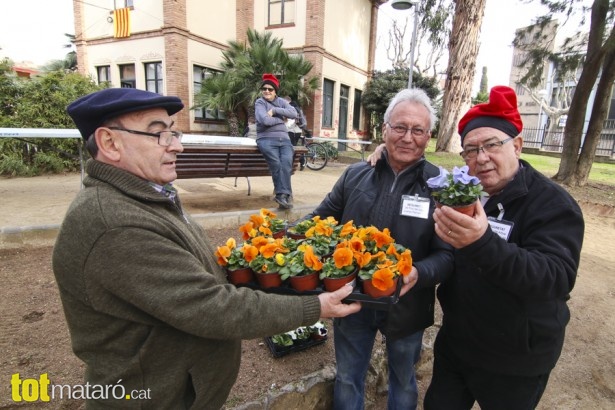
(148, 308)
(516, 262)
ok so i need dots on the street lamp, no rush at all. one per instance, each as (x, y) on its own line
(405, 5)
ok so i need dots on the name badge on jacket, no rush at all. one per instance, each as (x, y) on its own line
(414, 206)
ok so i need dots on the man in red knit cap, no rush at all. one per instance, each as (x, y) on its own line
(516, 261)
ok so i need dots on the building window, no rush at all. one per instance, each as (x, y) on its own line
(127, 76)
(200, 74)
(153, 77)
(104, 74)
(356, 111)
(281, 12)
(327, 101)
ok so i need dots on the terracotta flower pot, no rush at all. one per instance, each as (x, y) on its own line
(316, 336)
(304, 282)
(333, 284)
(240, 276)
(295, 236)
(464, 209)
(269, 280)
(374, 292)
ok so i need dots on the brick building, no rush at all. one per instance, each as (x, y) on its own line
(174, 44)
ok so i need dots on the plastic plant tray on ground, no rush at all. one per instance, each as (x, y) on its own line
(279, 351)
(382, 303)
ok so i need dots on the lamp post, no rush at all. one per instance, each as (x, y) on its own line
(405, 5)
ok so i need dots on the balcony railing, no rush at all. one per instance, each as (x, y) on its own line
(553, 141)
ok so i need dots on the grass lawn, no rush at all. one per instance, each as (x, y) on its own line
(599, 189)
(600, 173)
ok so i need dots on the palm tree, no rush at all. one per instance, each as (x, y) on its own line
(237, 87)
(69, 63)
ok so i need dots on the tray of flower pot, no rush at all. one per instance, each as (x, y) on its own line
(297, 340)
(357, 295)
(297, 346)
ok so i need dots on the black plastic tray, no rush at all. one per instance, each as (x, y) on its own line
(383, 303)
(279, 351)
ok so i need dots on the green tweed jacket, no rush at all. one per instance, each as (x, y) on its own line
(148, 309)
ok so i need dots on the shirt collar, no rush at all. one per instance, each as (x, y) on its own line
(166, 190)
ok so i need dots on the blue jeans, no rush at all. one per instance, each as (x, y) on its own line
(278, 153)
(354, 338)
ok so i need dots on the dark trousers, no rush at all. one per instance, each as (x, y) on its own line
(455, 385)
(296, 140)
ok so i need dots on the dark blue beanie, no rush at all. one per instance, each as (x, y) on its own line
(91, 111)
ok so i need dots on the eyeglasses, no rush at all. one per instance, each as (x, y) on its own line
(400, 130)
(165, 138)
(268, 89)
(491, 148)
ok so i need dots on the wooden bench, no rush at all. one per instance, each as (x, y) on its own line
(220, 161)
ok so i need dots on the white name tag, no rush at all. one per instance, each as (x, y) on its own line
(501, 228)
(414, 206)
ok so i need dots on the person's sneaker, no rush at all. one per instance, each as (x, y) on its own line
(281, 200)
(289, 200)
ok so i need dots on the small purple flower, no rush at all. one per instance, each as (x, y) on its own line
(461, 175)
(441, 181)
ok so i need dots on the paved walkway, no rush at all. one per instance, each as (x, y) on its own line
(32, 209)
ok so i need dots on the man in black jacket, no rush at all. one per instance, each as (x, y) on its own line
(393, 195)
(516, 261)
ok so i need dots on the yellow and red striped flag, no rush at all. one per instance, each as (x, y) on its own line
(121, 22)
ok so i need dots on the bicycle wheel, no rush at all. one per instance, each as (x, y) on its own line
(316, 157)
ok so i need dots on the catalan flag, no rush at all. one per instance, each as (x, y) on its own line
(121, 22)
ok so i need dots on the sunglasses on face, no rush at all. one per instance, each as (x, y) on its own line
(268, 89)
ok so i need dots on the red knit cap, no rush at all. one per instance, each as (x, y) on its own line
(272, 81)
(500, 113)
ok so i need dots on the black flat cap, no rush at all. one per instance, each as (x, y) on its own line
(90, 111)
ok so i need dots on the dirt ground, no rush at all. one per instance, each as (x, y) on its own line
(34, 337)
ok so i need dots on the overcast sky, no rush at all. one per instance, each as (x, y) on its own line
(33, 30)
(501, 19)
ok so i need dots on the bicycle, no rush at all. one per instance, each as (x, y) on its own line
(316, 158)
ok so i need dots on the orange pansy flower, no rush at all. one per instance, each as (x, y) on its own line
(382, 238)
(269, 250)
(247, 230)
(362, 258)
(257, 220)
(348, 229)
(356, 244)
(222, 253)
(260, 241)
(342, 257)
(392, 251)
(310, 232)
(266, 213)
(249, 252)
(383, 279)
(323, 229)
(311, 260)
(404, 266)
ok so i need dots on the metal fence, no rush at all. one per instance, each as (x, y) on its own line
(553, 141)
